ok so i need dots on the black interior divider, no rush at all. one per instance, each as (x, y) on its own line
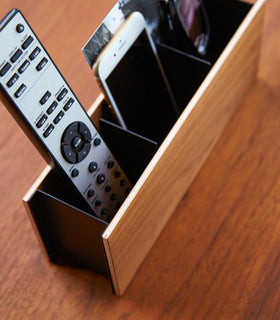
(225, 16)
(132, 151)
(184, 72)
(69, 234)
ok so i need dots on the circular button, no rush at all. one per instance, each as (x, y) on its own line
(90, 193)
(92, 166)
(20, 28)
(97, 142)
(113, 197)
(104, 211)
(76, 143)
(98, 203)
(110, 164)
(101, 178)
(117, 174)
(75, 173)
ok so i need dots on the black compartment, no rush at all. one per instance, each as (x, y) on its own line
(68, 233)
(132, 151)
(225, 16)
(184, 72)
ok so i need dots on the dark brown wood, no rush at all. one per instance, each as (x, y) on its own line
(218, 258)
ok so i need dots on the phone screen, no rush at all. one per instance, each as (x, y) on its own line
(140, 92)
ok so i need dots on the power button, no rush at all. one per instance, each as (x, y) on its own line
(20, 28)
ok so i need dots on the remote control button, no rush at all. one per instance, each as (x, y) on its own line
(13, 80)
(104, 211)
(90, 193)
(42, 64)
(117, 174)
(62, 94)
(108, 188)
(34, 53)
(84, 131)
(75, 173)
(93, 166)
(101, 178)
(68, 104)
(5, 69)
(68, 153)
(113, 197)
(58, 117)
(81, 155)
(70, 132)
(110, 164)
(48, 131)
(27, 43)
(40, 123)
(45, 98)
(98, 203)
(24, 66)
(20, 90)
(97, 142)
(123, 183)
(77, 143)
(16, 55)
(52, 107)
(20, 28)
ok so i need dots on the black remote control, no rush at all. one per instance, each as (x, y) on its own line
(39, 98)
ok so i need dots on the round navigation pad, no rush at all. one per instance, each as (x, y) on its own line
(76, 142)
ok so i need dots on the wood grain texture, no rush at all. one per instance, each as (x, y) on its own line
(218, 257)
(151, 203)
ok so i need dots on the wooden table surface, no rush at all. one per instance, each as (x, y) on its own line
(219, 256)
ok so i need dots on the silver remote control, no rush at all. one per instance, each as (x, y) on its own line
(39, 98)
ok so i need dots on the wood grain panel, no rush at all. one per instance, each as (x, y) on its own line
(139, 222)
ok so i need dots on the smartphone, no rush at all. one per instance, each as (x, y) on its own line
(131, 75)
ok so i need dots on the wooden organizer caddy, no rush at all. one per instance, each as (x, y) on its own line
(211, 95)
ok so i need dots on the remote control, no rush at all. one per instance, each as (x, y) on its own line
(39, 98)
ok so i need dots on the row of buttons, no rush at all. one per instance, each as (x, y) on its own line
(50, 110)
(16, 56)
(93, 166)
(23, 67)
